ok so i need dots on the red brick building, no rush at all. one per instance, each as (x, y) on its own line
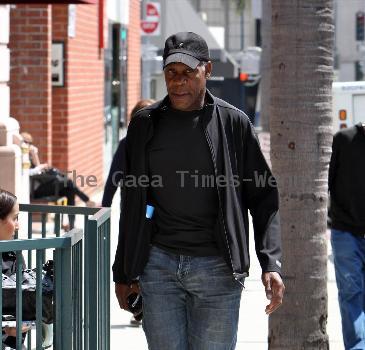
(67, 122)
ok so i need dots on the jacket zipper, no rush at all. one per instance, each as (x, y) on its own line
(235, 275)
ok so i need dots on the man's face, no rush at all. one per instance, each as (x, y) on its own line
(186, 86)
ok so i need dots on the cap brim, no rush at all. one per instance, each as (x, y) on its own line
(190, 61)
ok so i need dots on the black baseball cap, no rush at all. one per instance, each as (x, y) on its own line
(185, 47)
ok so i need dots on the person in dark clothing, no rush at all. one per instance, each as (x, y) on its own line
(48, 180)
(9, 210)
(117, 167)
(193, 158)
(115, 175)
(346, 185)
(116, 172)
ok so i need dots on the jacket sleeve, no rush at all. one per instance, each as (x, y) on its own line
(118, 265)
(115, 175)
(261, 195)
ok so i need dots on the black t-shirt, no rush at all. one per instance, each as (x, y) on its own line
(346, 180)
(186, 205)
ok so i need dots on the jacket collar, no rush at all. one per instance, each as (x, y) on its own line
(361, 127)
(209, 120)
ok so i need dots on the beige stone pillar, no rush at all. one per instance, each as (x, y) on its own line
(13, 177)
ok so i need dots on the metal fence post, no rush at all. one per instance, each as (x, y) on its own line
(19, 299)
(63, 291)
(106, 256)
(92, 260)
(86, 286)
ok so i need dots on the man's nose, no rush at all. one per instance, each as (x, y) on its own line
(179, 79)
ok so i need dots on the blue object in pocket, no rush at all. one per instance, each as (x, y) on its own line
(149, 211)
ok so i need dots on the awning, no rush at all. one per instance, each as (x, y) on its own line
(180, 16)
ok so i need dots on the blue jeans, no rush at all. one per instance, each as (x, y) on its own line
(349, 260)
(189, 303)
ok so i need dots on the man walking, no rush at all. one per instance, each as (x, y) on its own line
(189, 262)
(347, 189)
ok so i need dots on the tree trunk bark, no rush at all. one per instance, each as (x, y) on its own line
(301, 135)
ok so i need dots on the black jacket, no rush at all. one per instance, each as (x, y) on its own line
(236, 154)
(346, 180)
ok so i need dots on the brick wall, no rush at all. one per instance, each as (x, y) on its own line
(78, 107)
(30, 75)
(134, 55)
(66, 122)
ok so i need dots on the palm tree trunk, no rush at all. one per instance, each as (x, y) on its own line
(300, 126)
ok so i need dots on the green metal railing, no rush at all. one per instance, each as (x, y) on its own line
(81, 276)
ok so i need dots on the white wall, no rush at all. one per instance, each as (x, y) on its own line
(118, 11)
(346, 71)
(159, 81)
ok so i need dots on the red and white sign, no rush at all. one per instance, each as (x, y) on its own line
(149, 28)
(151, 25)
(152, 10)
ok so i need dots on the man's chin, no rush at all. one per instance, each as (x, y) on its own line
(180, 106)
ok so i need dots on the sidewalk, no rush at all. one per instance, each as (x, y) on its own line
(252, 331)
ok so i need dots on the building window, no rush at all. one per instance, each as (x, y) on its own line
(360, 26)
(359, 70)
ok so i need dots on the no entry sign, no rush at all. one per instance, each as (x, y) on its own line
(151, 25)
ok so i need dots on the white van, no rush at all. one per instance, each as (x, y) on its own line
(348, 104)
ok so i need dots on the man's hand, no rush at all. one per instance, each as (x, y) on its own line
(274, 289)
(123, 291)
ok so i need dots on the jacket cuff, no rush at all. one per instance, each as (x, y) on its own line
(272, 268)
(117, 278)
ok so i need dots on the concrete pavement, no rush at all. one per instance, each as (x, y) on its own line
(252, 331)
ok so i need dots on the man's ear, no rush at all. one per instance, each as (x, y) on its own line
(208, 69)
